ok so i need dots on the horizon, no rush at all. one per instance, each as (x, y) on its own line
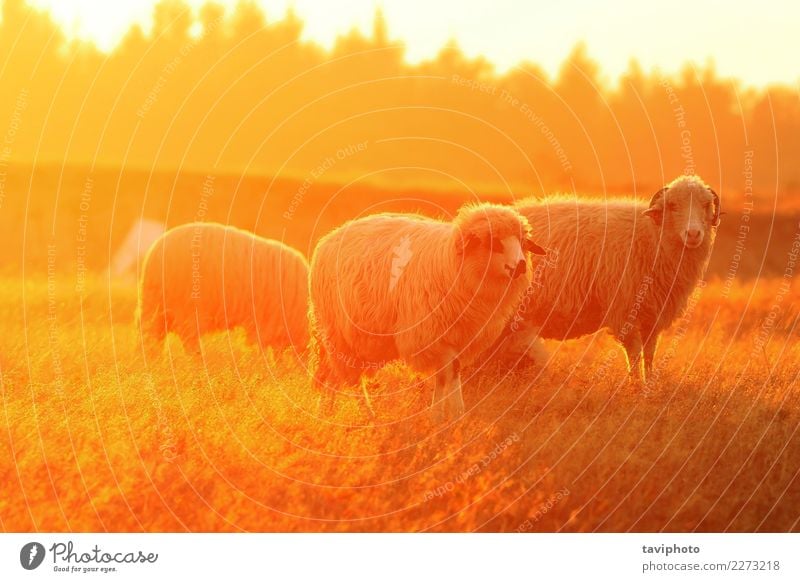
(561, 29)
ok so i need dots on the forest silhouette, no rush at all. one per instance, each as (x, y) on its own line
(247, 95)
(248, 124)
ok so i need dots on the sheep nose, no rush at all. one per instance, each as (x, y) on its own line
(693, 234)
(520, 270)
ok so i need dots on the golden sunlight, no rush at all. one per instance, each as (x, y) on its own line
(398, 266)
(508, 32)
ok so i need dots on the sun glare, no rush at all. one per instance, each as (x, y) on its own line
(508, 32)
(398, 266)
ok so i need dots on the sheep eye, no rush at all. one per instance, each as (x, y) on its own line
(495, 244)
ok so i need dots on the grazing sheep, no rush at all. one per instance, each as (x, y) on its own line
(617, 264)
(434, 294)
(203, 277)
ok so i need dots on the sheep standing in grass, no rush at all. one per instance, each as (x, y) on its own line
(434, 294)
(203, 277)
(618, 264)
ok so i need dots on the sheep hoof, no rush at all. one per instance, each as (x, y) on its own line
(438, 415)
(636, 381)
(458, 409)
(443, 411)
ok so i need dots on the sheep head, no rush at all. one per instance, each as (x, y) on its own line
(686, 209)
(492, 241)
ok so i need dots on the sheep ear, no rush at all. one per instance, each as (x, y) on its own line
(656, 208)
(654, 213)
(529, 246)
(468, 242)
(717, 208)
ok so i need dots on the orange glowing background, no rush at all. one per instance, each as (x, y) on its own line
(387, 99)
(500, 97)
(289, 123)
(508, 32)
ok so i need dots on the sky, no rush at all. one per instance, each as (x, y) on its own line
(756, 42)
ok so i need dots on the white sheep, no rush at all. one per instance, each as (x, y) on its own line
(618, 264)
(433, 294)
(205, 277)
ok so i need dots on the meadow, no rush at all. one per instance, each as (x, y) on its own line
(248, 124)
(97, 439)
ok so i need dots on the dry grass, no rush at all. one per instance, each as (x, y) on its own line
(95, 439)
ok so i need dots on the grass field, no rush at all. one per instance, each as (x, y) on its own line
(233, 116)
(94, 438)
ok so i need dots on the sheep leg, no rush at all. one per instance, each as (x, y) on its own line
(191, 342)
(536, 352)
(519, 339)
(456, 398)
(650, 345)
(152, 341)
(447, 398)
(438, 404)
(152, 327)
(252, 337)
(632, 342)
